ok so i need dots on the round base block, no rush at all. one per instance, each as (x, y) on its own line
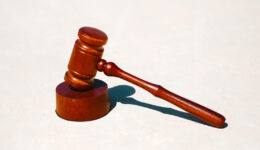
(77, 105)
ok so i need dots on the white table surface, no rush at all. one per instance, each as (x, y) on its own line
(207, 51)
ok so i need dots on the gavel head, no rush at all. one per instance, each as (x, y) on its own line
(86, 54)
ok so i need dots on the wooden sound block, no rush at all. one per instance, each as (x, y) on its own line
(78, 105)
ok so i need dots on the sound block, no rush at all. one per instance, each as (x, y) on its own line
(87, 105)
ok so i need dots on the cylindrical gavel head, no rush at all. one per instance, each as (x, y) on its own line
(87, 52)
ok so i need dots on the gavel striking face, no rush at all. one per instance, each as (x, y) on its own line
(86, 60)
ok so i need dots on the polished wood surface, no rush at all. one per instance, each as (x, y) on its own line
(86, 53)
(80, 97)
(195, 109)
(87, 105)
(86, 60)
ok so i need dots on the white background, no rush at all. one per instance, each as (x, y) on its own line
(207, 51)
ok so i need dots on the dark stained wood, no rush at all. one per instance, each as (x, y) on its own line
(86, 54)
(195, 109)
(85, 60)
(93, 36)
(77, 105)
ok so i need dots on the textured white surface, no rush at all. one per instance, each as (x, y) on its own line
(207, 51)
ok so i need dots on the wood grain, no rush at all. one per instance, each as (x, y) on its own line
(85, 55)
(86, 59)
(87, 105)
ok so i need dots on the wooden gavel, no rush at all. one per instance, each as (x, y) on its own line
(86, 60)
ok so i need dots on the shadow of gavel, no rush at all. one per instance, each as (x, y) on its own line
(86, 60)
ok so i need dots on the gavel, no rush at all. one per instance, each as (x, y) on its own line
(78, 95)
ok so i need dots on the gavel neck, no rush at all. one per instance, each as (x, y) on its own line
(111, 69)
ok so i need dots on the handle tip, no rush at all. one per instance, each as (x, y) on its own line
(219, 122)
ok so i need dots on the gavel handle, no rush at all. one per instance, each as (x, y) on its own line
(195, 109)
